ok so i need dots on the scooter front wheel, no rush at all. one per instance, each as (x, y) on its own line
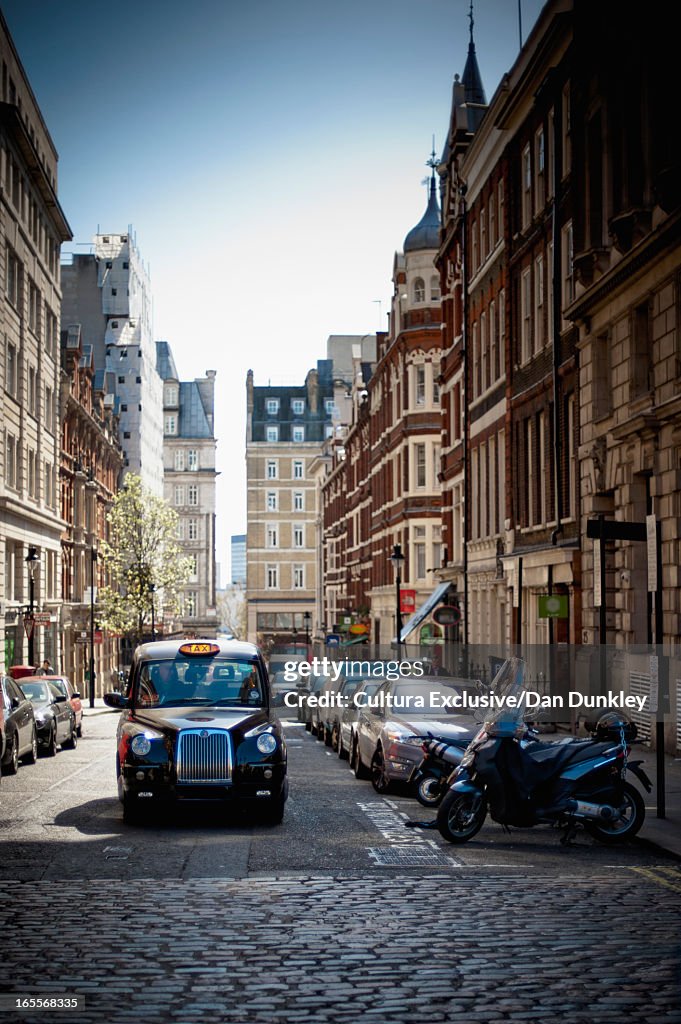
(632, 816)
(429, 791)
(461, 816)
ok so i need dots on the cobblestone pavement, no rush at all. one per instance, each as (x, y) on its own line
(477, 947)
(338, 915)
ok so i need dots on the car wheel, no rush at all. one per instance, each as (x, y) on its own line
(32, 755)
(11, 767)
(131, 809)
(328, 737)
(72, 742)
(308, 725)
(357, 765)
(272, 813)
(379, 778)
(79, 729)
(51, 746)
(342, 752)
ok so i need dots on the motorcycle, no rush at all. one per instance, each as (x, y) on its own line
(568, 783)
(441, 759)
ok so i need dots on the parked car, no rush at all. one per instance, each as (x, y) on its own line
(348, 719)
(326, 720)
(280, 687)
(65, 686)
(21, 737)
(197, 725)
(388, 740)
(55, 719)
(312, 685)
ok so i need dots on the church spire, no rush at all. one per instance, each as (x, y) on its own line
(472, 79)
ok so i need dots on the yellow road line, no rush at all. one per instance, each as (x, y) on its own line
(652, 877)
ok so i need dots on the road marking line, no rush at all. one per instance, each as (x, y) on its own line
(652, 877)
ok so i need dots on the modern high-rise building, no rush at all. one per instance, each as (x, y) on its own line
(239, 559)
(32, 228)
(108, 293)
(189, 483)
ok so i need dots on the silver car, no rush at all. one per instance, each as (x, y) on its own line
(348, 719)
(387, 744)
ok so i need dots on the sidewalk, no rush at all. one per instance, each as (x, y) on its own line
(664, 833)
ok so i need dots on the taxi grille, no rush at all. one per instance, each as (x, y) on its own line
(204, 756)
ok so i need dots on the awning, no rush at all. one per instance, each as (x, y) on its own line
(424, 611)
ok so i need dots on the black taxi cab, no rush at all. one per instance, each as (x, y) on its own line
(197, 724)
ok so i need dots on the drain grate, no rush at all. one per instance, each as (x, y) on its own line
(414, 856)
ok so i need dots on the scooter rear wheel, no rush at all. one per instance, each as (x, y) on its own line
(461, 816)
(429, 791)
(625, 827)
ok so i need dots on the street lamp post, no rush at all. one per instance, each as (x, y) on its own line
(152, 591)
(397, 559)
(31, 561)
(307, 617)
(93, 559)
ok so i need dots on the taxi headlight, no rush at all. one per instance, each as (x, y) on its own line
(266, 743)
(141, 745)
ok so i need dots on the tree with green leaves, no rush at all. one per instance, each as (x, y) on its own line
(143, 561)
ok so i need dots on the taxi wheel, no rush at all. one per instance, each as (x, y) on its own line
(273, 812)
(131, 809)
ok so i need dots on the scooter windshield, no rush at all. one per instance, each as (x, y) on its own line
(507, 700)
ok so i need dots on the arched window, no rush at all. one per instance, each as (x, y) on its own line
(435, 289)
(419, 290)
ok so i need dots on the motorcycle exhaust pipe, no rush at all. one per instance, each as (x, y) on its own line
(597, 812)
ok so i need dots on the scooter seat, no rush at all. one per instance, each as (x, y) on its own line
(556, 756)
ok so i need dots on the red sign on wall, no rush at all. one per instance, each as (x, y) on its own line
(408, 601)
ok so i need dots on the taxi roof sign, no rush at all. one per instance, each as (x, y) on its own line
(199, 648)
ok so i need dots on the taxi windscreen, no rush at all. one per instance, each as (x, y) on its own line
(205, 681)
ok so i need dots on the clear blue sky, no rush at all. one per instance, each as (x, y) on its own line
(269, 156)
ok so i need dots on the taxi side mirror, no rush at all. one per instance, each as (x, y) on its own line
(116, 700)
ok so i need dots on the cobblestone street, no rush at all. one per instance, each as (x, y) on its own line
(331, 917)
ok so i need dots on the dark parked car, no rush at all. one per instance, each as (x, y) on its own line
(65, 686)
(197, 725)
(54, 717)
(21, 737)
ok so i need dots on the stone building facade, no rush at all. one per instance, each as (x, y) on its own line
(32, 228)
(286, 428)
(189, 448)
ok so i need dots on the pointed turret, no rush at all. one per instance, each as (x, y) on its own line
(469, 101)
